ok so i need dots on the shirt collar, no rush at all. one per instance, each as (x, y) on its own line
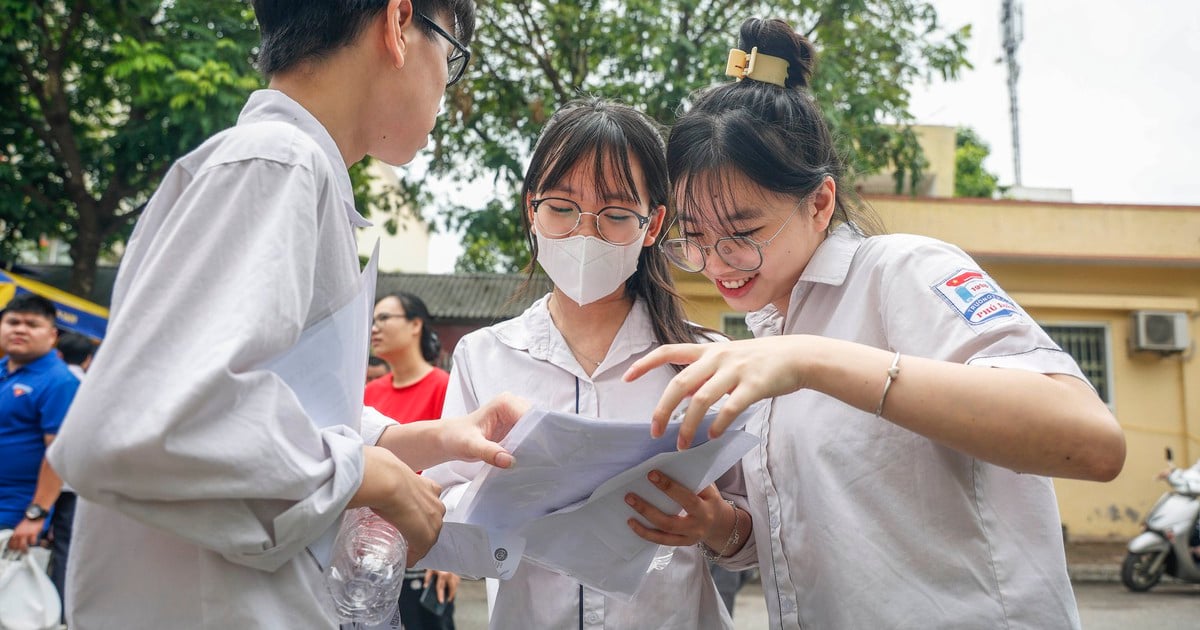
(830, 264)
(534, 332)
(40, 364)
(273, 105)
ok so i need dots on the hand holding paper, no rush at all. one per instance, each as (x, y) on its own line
(703, 516)
(565, 496)
(475, 436)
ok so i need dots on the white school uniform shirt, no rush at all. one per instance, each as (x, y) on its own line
(527, 356)
(860, 523)
(205, 479)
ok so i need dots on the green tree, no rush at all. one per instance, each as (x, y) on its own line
(97, 99)
(532, 56)
(970, 178)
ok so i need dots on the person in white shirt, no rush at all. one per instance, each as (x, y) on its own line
(917, 410)
(594, 204)
(219, 437)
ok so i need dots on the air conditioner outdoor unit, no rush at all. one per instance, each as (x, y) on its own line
(1160, 331)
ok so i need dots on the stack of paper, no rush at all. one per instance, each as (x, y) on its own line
(563, 506)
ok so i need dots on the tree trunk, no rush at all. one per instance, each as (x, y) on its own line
(85, 249)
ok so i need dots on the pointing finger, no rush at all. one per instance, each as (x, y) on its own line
(673, 354)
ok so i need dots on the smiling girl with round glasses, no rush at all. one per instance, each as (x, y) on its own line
(916, 408)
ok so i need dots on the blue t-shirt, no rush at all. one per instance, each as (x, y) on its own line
(33, 401)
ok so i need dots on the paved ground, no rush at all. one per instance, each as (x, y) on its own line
(1095, 562)
(1104, 604)
(1109, 606)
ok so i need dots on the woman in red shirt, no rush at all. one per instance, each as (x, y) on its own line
(400, 335)
(414, 390)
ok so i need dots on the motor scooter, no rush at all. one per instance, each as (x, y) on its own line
(1165, 546)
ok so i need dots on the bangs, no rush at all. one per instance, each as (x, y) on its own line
(606, 151)
(721, 199)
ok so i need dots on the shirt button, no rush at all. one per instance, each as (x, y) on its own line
(593, 617)
(774, 521)
(787, 605)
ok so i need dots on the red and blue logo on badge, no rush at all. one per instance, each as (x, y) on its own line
(975, 296)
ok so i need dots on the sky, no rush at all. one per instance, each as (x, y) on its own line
(1108, 98)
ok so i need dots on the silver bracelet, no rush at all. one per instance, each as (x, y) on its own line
(892, 373)
(733, 539)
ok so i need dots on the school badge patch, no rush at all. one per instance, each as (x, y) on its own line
(975, 296)
(20, 389)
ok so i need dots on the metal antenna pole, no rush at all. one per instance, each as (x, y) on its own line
(1011, 21)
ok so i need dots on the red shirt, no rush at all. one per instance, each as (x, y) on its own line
(420, 401)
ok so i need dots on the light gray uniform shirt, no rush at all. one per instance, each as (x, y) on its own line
(204, 477)
(527, 356)
(860, 523)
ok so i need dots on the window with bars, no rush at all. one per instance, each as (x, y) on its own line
(734, 326)
(1088, 345)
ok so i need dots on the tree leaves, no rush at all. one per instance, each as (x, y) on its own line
(533, 56)
(98, 99)
(970, 178)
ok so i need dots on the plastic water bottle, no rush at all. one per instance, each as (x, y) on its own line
(367, 570)
(662, 558)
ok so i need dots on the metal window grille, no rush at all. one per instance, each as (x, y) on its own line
(1088, 345)
(734, 326)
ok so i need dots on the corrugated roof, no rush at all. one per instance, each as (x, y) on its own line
(481, 297)
(484, 297)
(59, 277)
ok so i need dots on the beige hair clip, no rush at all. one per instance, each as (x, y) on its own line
(757, 66)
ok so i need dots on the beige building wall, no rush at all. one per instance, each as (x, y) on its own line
(1071, 264)
(405, 251)
(937, 143)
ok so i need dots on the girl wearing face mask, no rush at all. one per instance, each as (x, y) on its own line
(917, 412)
(594, 206)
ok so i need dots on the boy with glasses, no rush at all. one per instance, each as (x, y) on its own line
(219, 439)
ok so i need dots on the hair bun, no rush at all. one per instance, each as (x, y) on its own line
(777, 38)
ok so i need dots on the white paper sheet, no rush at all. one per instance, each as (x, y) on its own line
(565, 497)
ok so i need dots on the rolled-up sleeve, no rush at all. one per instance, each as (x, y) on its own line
(178, 425)
(373, 424)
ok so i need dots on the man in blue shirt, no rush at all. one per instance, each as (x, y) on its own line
(36, 388)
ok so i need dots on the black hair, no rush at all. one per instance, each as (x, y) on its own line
(375, 361)
(31, 304)
(414, 308)
(296, 31)
(75, 348)
(611, 135)
(775, 136)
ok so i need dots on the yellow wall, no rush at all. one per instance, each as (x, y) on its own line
(1072, 264)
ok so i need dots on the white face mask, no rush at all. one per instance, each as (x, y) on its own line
(586, 268)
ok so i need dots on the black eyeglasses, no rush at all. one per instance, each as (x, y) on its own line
(456, 64)
(739, 252)
(382, 318)
(557, 217)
